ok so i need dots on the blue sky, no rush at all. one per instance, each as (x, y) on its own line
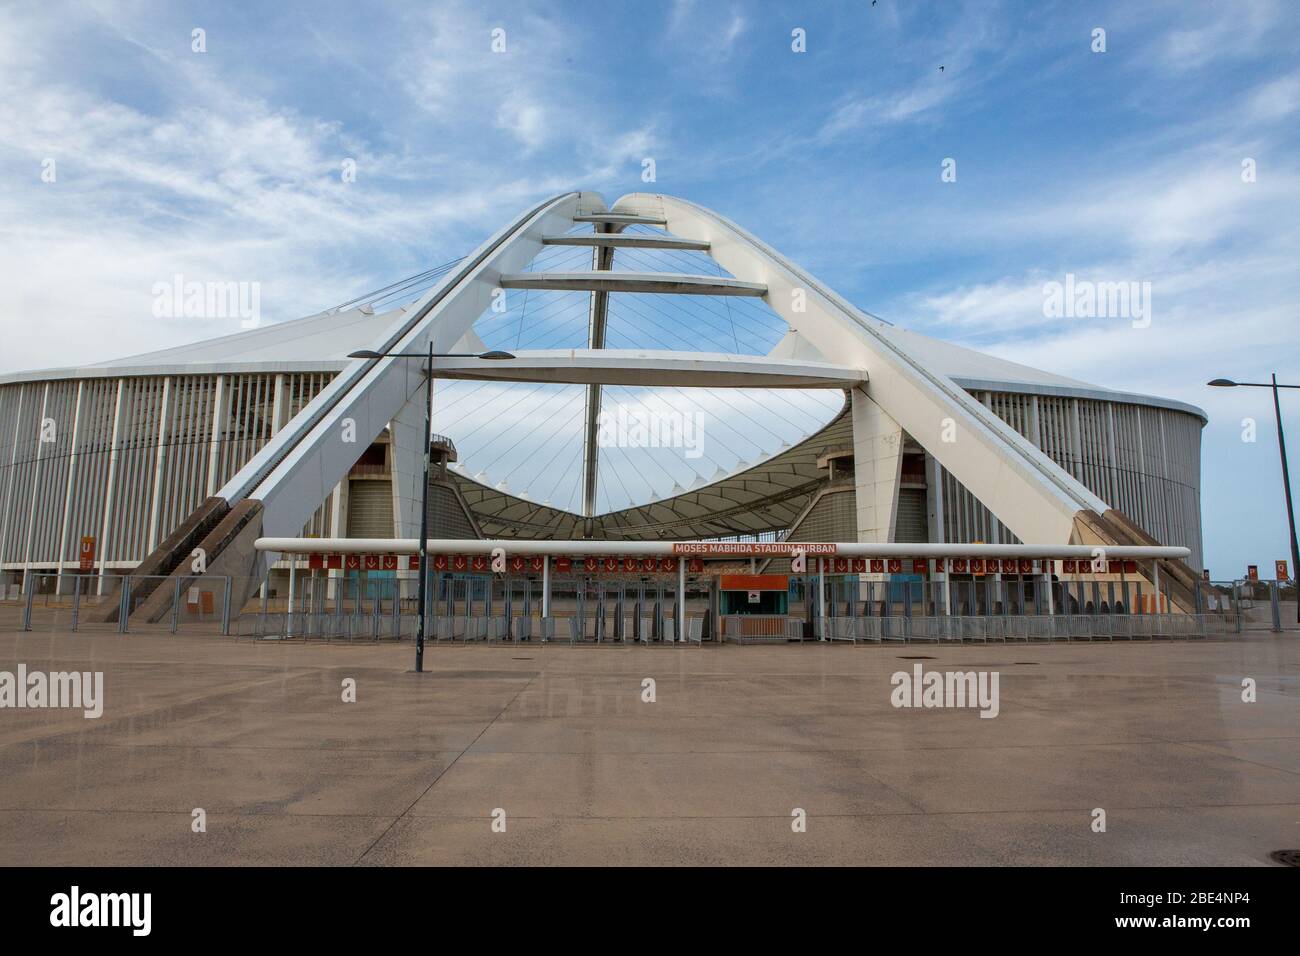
(1116, 166)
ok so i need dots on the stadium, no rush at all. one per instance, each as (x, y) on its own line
(670, 379)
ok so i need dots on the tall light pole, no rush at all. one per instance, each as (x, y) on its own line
(422, 588)
(1286, 474)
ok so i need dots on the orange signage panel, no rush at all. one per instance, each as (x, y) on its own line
(753, 582)
(87, 553)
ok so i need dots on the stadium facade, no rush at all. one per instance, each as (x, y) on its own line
(931, 442)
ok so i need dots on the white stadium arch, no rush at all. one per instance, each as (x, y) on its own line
(1013, 454)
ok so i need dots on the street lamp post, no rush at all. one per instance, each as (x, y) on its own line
(422, 587)
(1286, 474)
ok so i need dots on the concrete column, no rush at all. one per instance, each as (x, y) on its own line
(156, 505)
(293, 587)
(8, 509)
(546, 587)
(408, 467)
(67, 490)
(108, 484)
(1076, 442)
(680, 624)
(878, 466)
(337, 530)
(36, 485)
(279, 404)
(214, 439)
(821, 597)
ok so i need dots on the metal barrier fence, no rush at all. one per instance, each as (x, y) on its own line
(1029, 627)
(198, 604)
(467, 609)
(761, 628)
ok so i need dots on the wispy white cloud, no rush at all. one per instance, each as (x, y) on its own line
(1210, 32)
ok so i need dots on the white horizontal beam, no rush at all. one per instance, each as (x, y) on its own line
(582, 546)
(622, 219)
(673, 283)
(626, 240)
(653, 368)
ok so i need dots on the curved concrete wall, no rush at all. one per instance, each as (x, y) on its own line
(128, 458)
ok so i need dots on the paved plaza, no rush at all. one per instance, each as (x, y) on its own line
(557, 745)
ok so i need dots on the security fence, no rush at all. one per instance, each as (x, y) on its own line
(469, 608)
(199, 604)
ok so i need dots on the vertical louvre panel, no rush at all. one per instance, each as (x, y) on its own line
(94, 440)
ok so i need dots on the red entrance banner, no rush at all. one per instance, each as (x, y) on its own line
(755, 549)
(87, 553)
(753, 582)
